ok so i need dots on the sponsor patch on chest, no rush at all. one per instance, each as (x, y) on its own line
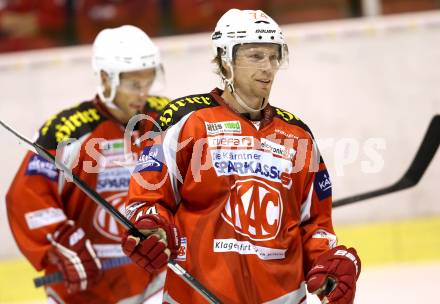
(113, 179)
(252, 163)
(111, 147)
(223, 127)
(231, 141)
(277, 149)
(245, 248)
(118, 160)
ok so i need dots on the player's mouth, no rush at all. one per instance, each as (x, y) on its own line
(266, 81)
(135, 106)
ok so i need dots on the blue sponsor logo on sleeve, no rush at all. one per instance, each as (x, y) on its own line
(151, 159)
(40, 166)
(323, 185)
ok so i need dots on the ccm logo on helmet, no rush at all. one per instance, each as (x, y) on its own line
(217, 35)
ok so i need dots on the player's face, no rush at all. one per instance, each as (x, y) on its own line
(255, 67)
(133, 90)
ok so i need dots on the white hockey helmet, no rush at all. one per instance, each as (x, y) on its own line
(123, 49)
(237, 27)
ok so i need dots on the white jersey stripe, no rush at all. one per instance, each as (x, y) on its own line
(306, 205)
(69, 156)
(294, 297)
(170, 146)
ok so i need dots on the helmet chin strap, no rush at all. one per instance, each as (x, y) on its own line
(114, 82)
(230, 84)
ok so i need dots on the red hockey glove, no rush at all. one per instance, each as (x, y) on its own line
(334, 275)
(73, 254)
(161, 245)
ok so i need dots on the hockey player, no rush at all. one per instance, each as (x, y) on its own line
(240, 184)
(56, 226)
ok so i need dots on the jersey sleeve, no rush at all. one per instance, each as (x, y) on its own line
(165, 161)
(34, 200)
(316, 196)
(159, 173)
(316, 218)
(34, 207)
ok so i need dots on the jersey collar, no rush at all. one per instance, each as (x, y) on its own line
(268, 112)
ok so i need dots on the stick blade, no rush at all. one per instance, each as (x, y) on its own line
(424, 154)
(414, 174)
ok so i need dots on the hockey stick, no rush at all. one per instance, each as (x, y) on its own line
(57, 277)
(415, 171)
(189, 279)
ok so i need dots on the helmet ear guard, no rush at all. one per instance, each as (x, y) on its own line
(114, 82)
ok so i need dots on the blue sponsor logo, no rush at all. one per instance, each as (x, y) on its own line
(247, 168)
(323, 185)
(40, 166)
(252, 163)
(114, 179)
(113, 184)
(151, 159)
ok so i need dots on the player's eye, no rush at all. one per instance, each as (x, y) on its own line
(256, 56)
(135, 85)
(274, 58)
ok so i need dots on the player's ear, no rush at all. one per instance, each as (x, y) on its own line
(226, 69)
(222, 66)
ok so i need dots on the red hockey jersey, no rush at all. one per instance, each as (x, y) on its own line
(252, 200)
(40, 199)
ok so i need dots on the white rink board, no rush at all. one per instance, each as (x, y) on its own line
(347, 79)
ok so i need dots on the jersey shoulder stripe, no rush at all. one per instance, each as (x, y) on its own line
(156, 103)
(70, 123)
(291, 119)
(179, 107)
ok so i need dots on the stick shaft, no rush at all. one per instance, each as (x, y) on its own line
(58, 277)
(114, 212)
